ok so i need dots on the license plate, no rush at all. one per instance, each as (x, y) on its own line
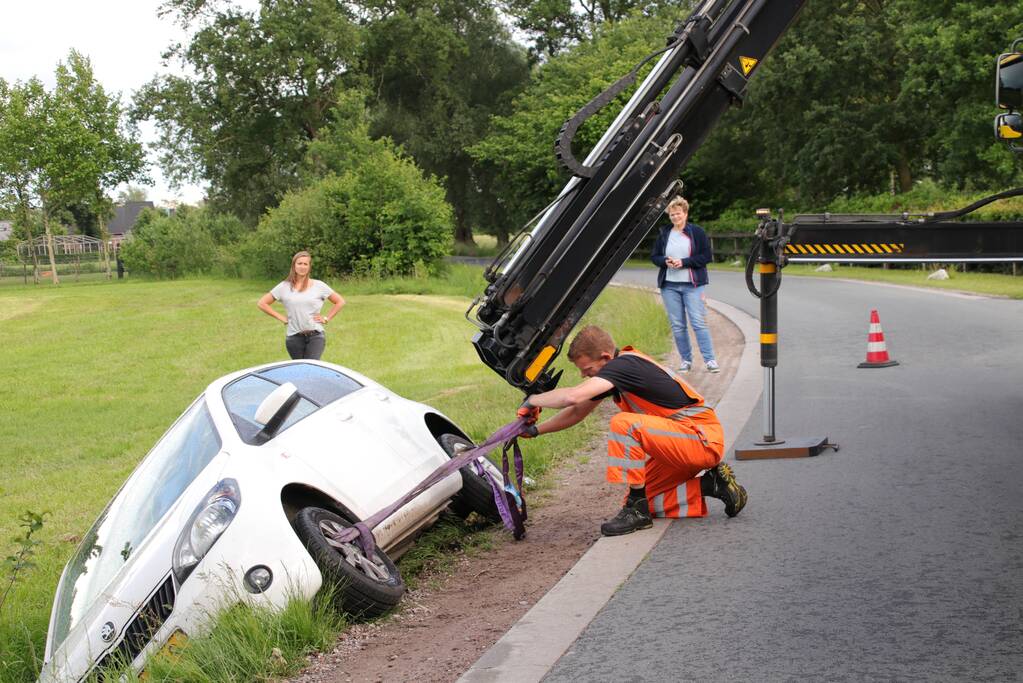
(170, 649)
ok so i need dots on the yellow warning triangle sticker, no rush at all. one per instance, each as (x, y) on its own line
(747, 64)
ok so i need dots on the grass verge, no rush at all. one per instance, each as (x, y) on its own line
(93, 374)
(988, 284)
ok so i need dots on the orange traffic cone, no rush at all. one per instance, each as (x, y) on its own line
(877, 352)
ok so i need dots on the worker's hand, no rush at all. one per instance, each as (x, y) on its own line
(529, 432)
(528, 412)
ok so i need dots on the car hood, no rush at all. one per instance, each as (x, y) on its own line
(152, 495)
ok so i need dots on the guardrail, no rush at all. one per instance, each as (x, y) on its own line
(734, 244)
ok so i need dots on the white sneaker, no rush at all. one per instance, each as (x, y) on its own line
(712, 366)
(685, 367)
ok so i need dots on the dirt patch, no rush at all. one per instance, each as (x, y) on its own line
(440, 631)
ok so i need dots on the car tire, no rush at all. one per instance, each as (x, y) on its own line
(356, 585)
(476, 494)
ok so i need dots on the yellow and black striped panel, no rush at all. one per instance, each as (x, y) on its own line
(873, 249)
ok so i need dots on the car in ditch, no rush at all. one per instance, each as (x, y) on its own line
(242, 500)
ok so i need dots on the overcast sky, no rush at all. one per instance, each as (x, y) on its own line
(122, 38)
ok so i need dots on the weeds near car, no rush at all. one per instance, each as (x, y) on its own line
(247, 644)
(21, 561)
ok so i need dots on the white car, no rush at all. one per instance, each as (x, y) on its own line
(242, 499)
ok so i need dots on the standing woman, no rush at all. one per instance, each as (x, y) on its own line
(682, 252)
(303, 298)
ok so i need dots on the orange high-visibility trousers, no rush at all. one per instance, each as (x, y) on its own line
(664, 455)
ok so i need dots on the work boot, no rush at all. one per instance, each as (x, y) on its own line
(719, 482)
(633, 516)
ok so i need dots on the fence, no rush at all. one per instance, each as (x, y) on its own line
(732, 244)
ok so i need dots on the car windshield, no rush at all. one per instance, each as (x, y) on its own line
(317, 386)
(176, 460)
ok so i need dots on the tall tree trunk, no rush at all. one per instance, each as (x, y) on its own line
(456, 197)
(463, 232)
(905, 177)
(49, 249)
(501, 233)
(105, 237)
(35, 263)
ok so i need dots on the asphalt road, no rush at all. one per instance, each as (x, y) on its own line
(898, 558)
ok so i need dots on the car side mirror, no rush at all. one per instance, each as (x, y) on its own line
(1009, 129)
(275, 408)
(1009, 81)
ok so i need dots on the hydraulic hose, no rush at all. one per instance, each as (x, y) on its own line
(946, 215)
(754, 251)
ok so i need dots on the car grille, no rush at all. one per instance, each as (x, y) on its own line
(140, 631)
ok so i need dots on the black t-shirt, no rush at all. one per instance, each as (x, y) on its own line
(639, 376)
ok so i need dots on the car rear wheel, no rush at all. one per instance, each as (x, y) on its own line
(476, 494)
(361, 585)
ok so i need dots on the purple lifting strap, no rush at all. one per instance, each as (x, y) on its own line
(506, 501)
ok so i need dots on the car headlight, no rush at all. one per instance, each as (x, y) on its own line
(211, 518)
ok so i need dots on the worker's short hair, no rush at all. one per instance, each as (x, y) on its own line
(677, 201)
(591, 342)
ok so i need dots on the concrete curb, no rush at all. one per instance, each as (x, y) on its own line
(535, 643)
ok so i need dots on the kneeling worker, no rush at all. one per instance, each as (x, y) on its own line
(661, 440)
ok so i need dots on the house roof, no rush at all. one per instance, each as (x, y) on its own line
(125, 216)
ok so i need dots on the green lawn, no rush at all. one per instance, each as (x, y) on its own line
(92, 374)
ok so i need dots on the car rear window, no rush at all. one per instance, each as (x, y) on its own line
(317, 386)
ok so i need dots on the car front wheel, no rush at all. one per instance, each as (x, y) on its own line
(476, 494)
(362, 585)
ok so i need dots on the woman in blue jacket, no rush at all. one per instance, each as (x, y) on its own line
(682, 252)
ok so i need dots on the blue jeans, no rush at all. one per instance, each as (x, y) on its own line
(682, 299)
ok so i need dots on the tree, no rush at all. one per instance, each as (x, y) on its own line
(132, 193)
(21, 126)
(63, 150)
(87, 149)
(437, 72)
(866, 95)
(554, 25)
(263, 87)
(367, 208)
(519, 147)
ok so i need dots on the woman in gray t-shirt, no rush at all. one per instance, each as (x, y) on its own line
(303, 299)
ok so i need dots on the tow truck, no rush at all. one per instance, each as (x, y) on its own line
(551, 272)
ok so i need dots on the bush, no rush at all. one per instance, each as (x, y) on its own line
(380, 217)
(167, 247)
(193, 241)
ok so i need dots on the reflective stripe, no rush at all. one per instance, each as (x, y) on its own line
(658, 503)
(626, 463)
(626, 439)
(689, 412)
(634, 408)
(682, 496)
(673, 435)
